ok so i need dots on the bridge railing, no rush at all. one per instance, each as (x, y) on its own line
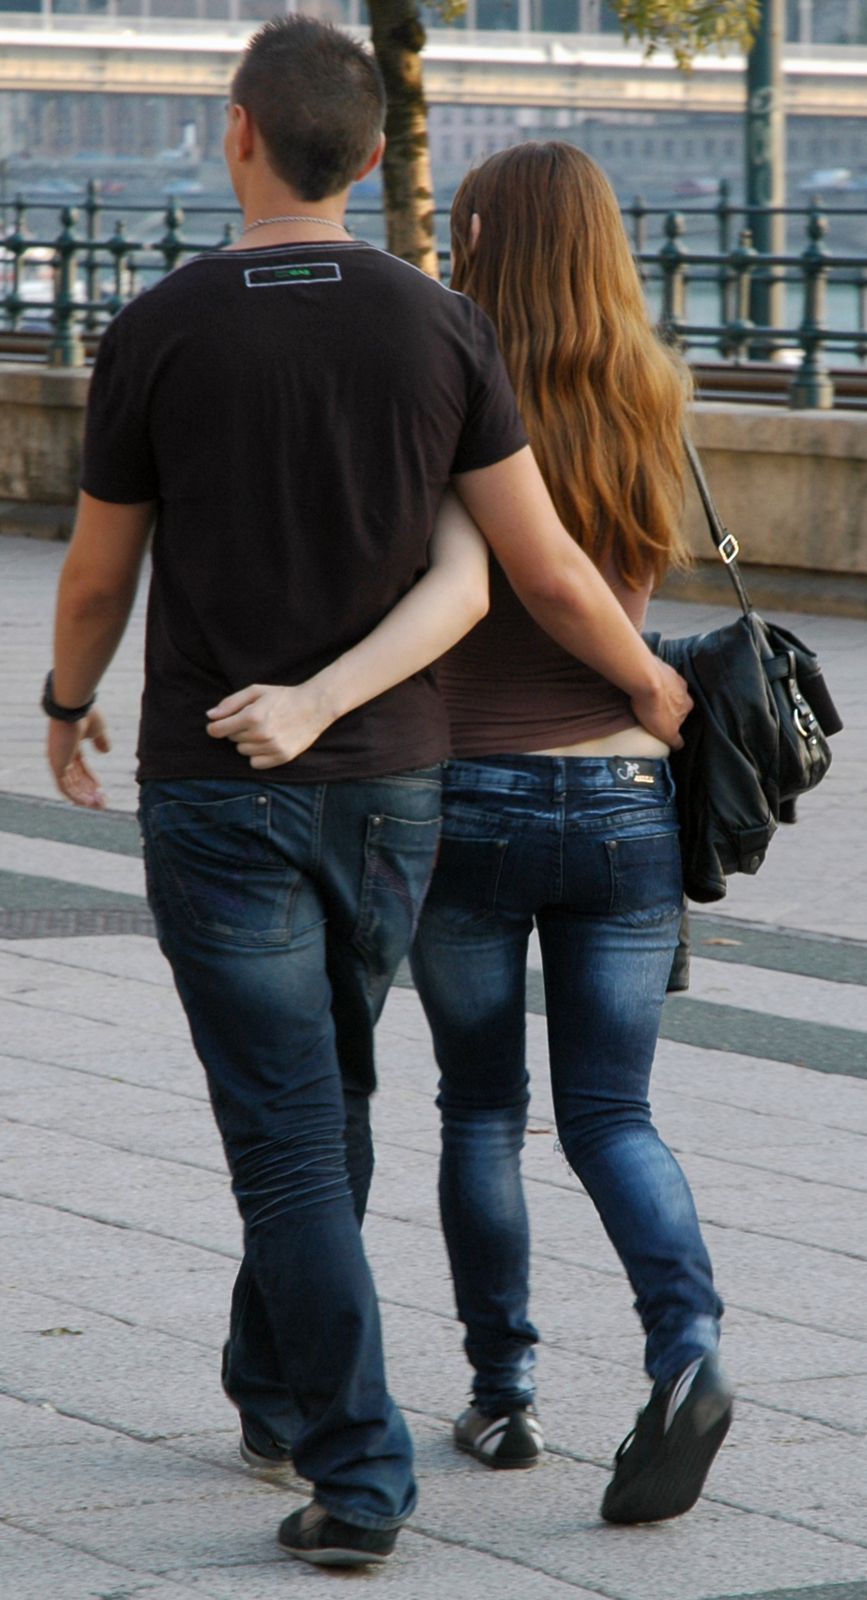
(60, 285)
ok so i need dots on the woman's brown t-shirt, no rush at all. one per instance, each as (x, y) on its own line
(509, 687)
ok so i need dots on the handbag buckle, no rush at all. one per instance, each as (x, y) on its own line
(806, 724)
(729, 548)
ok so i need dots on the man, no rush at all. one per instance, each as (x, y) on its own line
(291, 411)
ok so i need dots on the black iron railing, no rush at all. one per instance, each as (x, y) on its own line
(70, 283)
(720, 280)
(64, 275)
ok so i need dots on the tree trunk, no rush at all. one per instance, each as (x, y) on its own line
(397, 36)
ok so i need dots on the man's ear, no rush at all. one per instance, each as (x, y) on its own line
(373, 160)
(241, 132)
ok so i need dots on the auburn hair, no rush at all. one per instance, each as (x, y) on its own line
(602, 398)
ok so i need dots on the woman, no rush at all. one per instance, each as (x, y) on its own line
(559, 813)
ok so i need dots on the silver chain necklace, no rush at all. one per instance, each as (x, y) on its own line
(263, 222)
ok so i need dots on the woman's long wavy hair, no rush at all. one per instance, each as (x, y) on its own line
(603, 400)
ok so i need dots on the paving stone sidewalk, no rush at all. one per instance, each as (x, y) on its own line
(120, 1475)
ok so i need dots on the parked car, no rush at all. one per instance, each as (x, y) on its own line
(826, 180)
(53, 189)
(183, 186)
(696, 188)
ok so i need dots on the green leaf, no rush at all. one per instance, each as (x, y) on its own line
(688, 27)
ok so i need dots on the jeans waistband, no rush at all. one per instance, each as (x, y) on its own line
(532, 774)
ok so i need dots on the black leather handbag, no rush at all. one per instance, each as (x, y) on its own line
(757, 737)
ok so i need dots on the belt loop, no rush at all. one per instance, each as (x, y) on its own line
(559, 777)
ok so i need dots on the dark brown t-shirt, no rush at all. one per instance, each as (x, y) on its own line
(296, 412)
(510, 688)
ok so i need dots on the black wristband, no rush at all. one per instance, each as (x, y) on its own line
(62, 713)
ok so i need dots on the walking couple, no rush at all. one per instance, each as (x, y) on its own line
(317, 432)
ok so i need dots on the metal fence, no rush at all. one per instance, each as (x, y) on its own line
(726, 277)
(64, 274)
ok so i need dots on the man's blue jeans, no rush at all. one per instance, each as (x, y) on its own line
(587, 849)
(284, 911)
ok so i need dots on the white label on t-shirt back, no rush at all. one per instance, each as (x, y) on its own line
(277, 277)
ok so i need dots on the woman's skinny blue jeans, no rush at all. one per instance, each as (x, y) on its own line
(587, 849)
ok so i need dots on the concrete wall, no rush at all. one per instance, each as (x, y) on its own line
(41, 422)
(792, 486)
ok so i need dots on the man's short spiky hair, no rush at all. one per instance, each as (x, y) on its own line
(317, 99)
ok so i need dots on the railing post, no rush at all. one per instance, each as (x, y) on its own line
(672, 257)
(861, 287)
(736, 337)
(91, 270)
(724, 214)
(66, 349)
(16, 244)
(118, 247)
(725, 280)
(171, 244)
(813, 387)
(638, 213)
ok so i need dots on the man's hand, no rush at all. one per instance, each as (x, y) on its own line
(97, 589)
(73, 776)
(271, 723)
(662, 707)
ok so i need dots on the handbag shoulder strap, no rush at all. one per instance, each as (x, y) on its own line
(726, 544)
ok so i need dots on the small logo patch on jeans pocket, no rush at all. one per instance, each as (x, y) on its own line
(629, 771)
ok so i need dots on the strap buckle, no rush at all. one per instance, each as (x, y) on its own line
(729, 548)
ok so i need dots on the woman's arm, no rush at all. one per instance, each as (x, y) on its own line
(273, 723)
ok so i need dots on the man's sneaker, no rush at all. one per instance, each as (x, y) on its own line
(258, 1449)
(513, 1439)
(315, 1535)
(261, 1453)
(660, 1468)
